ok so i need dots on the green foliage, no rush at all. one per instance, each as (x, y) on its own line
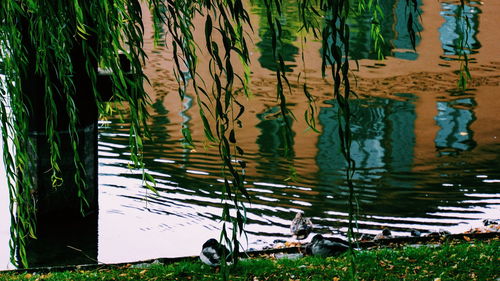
(336, 53)
(463, 261)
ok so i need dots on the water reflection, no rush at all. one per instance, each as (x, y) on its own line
(394, 29)
(160, 120)
(458, 34)
(289, 24)
(402, 43)
(383, 142)
(454, 120)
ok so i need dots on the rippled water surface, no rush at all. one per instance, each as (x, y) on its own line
(427, 154)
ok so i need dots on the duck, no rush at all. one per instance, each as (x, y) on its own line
(212, 252)
(439, 233)
(385, 234)
(326, 247)
(415, 233)
(366, 237)
(301, 226)
(487, 222)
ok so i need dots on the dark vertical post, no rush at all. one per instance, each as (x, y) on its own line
(65, 235)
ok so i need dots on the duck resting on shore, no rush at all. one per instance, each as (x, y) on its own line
(301, 226)
(487, 222)
(385, 234)
(212, 253)
(326, 247)
(366, 237)
(438, 233)
(415, 233)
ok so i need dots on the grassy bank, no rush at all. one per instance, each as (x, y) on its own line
(463, 261)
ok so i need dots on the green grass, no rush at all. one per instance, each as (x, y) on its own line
(464, 261)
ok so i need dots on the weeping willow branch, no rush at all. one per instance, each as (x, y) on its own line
(375, 27)
(336, 55)
(412, 25)
(310, 17)
(274, 13)
(230, 17)
(227, 20)
(463, 47)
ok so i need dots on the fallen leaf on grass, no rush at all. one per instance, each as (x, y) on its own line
(386, 263)
(45, 276)
(486, 257)
(293, 244)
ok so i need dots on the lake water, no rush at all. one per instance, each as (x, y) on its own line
(427, 155)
